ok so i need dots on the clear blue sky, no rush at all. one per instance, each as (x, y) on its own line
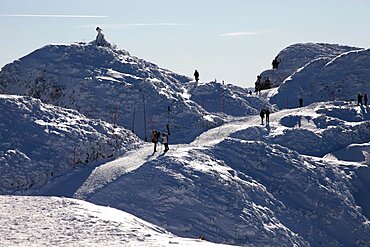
(231, 40)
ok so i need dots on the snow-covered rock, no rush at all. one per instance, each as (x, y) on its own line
(39, 141)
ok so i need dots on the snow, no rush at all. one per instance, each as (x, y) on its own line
(301, 180)
(69, 222)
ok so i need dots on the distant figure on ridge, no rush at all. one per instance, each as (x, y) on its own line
(300, 102)
(262, 115)
(365, 99)
(359, 99)
(257, 85)
(196, 75)
(100, 40)
(275, 62)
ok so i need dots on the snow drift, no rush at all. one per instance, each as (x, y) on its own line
(70, 222)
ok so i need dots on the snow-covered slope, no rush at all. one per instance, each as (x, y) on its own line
(298, 55)
(339, 78)
(39, 141)
(52, 221)
(248, 184)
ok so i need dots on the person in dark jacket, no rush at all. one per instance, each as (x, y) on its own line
(196, 75)
(155, 139)
(262, 115)
(267, 112)
(359, 99)
(300, 102)
(365, 99)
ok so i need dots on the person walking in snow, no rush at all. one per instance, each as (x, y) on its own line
(267, 112)
(262, 115)
(365, 99)
(165, 141)
(300, 102)
(257, 85)
(196, 75)
(275, 62)
(359, 99)
(155, 139)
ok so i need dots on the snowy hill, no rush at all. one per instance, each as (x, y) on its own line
(339, 78)
(69, 222)
(39, 141)
(111, 85)
(298, 55)
(301, 180)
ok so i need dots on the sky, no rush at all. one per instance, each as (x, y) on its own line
(230, 40)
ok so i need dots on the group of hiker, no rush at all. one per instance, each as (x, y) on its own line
(360, 97)
(265, 113)
(157, 137)
(261, 84)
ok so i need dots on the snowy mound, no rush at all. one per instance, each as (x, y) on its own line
(40, 141)
(228, 99)
(340, 78)
(296, 56)
(69, 222)
(107, 84)
(353, 153)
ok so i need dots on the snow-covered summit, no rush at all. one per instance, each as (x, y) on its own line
(110, 84)
(328, 78)
(296, 56)
(103, 83)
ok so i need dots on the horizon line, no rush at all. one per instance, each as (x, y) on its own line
(55, 16)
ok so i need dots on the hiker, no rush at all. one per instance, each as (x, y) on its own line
(196, 75)
(359, 99)
(365, 99)
(267, 112)
(267, 83)
(300, 102)
(257, 85)
(100, 41)
(155, 138)
(262, 115)
(165, 141)
(275, 62)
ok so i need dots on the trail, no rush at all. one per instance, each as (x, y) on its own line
(83, 182)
